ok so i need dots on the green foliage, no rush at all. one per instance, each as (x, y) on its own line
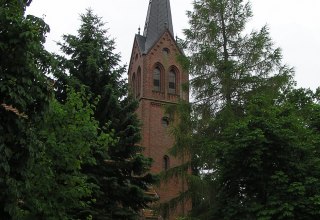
(122, 176)
(24, 96)
(267, 166)
(253, 140)
(306, 104)
(229, 66)
(67, 137)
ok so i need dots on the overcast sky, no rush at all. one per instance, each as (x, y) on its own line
(294, 26)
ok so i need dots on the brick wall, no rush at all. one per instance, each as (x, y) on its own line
(156, 137)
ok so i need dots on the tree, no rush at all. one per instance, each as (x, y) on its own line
(306, 103)
(243, 138)
(24, 96)
(267, 166)
(67, 138)
(228, 65)
(123, 179)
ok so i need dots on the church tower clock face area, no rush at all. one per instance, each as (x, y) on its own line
(155, 78)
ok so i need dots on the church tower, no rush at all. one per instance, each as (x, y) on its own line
(156, 79)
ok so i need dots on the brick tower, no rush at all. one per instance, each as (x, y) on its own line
(155, 78)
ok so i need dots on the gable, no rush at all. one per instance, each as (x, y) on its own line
(137, 50)
(165, 41)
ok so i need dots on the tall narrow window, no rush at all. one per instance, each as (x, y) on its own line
(166, 162)
(139, 82)
(165, 122)
(172, 81)
(133, 84)
(157, 79)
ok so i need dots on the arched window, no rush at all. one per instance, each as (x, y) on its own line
(172, 81)
(165, 51)
(139, 82)
(133, 84)
(166, 163)
(165, 121)
(157, 79)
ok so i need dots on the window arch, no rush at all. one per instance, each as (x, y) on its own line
(157, 79)
(172, 81)
(166, 163)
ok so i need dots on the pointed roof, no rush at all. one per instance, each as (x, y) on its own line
(158, 20)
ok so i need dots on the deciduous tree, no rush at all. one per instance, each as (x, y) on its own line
(244, 139)
(67, 138)
(24, 96)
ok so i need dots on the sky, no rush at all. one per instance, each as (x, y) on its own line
(294, 26)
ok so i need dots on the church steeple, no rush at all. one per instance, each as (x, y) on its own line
(156, 77)
(158, 20)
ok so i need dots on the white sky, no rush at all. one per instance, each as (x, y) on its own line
(294, 26)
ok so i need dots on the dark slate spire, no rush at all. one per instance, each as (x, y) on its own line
(158, 21)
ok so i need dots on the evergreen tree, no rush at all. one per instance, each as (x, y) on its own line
(244, 139)
(24, 95)
(121, 179)
(227, 64)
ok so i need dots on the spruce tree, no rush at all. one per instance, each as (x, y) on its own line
(121, 177)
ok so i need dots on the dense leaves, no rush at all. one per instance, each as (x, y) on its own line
(267, 166)
(123, 178)
(253, 140)
(74, 156)
(67, 138)
(228, 65)
(24, 96)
